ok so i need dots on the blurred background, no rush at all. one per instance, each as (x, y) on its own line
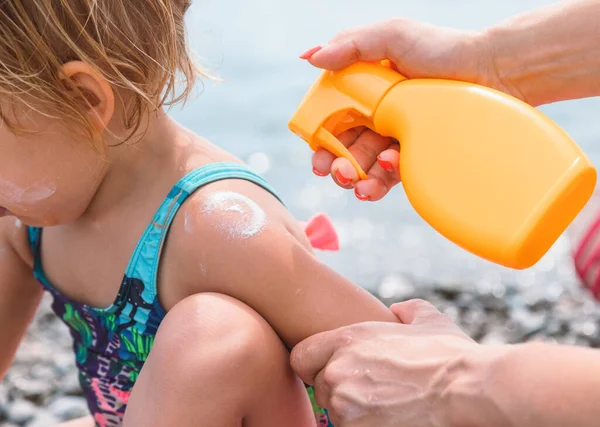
(255, 50)
(386, 247)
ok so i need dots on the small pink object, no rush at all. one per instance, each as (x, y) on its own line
(583, 267)
(586, 253)
(321, 233)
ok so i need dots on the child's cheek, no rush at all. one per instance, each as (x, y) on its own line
(23, 197)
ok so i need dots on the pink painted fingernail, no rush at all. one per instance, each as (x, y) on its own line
(385, 164)
(316, 172)
(310, 52)
(341, 178)
(360, 196)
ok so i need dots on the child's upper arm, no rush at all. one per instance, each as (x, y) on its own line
(19, 292)
(235, 238)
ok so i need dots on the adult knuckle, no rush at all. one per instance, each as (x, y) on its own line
(365, 150)
(435, 317)
(357, 53)
(362, 330)
(394, 23)
(419, 306)
(419, 303)
(339, 406)
(346, 337)
(332, 375)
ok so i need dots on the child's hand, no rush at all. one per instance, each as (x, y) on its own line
(377, 155)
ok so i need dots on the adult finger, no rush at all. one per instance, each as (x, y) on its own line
(322, 160)
(371, 42)
(390, 160)
(322, 389)
(371, 190)
(365, 150)
(383, 176)
(310, 356)
(415, 311)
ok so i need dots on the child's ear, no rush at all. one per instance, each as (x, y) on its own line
(92, 91)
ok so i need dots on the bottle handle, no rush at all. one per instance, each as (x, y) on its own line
(342, 100)
(329, 142)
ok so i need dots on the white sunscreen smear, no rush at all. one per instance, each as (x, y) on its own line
(31, 194)
(236, 216)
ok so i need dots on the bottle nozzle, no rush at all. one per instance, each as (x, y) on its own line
(341, 100)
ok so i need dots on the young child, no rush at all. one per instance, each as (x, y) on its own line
(182, 278)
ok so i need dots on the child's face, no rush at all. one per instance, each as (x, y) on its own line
(47, 177)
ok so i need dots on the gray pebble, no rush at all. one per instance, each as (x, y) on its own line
(21, 411)
(474, 322)
(43, 372)
(44, 419)
(491, 312)
(574, 340)
(64, 362)
(557, 328)
(3, 396)
(70, 384)
(450, 290)
(466, 300)
(33, 389)
(492, 302)
(68, 407)
(452, 312)
(496, 336)
(526, 323)
(397, 287)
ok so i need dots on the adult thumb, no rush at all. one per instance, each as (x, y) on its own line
(371, 42)
(415, 311)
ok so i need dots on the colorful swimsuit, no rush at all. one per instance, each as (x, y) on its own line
(112, 344)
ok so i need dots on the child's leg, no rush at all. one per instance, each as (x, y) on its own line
(217, 362)
(79, 422)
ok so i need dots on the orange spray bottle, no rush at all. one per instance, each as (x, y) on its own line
(486, 170)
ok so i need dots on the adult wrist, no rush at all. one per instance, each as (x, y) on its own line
(550, 54)
(507, 64)
(474, 396)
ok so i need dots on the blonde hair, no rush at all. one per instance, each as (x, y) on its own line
(138, 46)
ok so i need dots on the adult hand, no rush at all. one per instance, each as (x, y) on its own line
(387, 374)
(427, 373)
(542, 56)
(417, 50)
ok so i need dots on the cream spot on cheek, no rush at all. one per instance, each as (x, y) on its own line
(234, 215)
(11, 193)
(18, 224)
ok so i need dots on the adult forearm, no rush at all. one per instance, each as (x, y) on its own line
(550, 54)
(528, 385)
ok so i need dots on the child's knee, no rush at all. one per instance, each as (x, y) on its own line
(215, 355)
(209, 335)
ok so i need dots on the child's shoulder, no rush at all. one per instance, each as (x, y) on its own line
(221, 232)
(233, 209)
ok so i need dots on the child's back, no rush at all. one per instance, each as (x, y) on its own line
(130, 217)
